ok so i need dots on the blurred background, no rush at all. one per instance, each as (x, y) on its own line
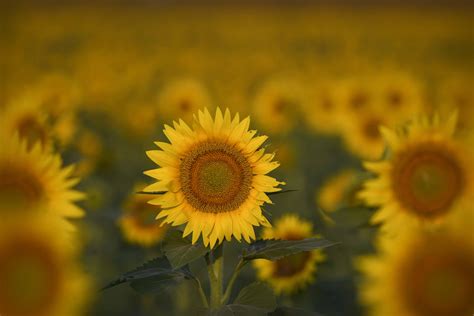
(317, 77)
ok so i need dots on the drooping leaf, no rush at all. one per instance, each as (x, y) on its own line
(281, 192)
(180, 251)
(273, 249)
(352, 217)
(158, 283)
(158, 268)
(256, 299)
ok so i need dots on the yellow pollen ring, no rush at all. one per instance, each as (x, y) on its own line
(427, 180)
(215, 177)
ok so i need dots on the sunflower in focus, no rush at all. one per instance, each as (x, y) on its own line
(277, 106)
(427, 178)
(32, 179)
(292, 273)
(138, 223)
(38, 270)
(182, 98)
(213, 178)
(421, 274)
(339, 190)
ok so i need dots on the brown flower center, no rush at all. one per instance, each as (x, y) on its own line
(19, 188)
(215, 177)
(30, 278)
(439, 280)
(427, 179)
(31, 130)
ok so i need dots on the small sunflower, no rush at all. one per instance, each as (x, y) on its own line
(338, 191)
(38, 270)
(138, 223)
(427, 177)
(399, 92)
(182, 98)
(32, 179)
(457, 94)
(25, 118)
(277, 106)
(291, 273)
(321, 108)
(421, 274)
(213, 178)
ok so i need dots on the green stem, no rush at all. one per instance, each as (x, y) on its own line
(201, 293)
(216, 272)
(230, 285)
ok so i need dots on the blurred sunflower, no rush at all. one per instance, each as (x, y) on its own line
(427, 177)
(38, 270)
(421, 274)
(32, 179)
(138, 223)
(182, 98)
(25, 118)
(457, 94)
(277, 106)
(291, 273)
(339, 190)
(354, 95)
(362, 135)
(213, 178)
(399, 92)
(321, 108)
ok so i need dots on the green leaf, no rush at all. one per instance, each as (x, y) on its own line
(352, 216)
(273, 249)
(258, 295)
(157, 271)
(281, 192)
(256, 299)
(180, 251)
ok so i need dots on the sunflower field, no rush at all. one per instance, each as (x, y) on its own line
(227, 158)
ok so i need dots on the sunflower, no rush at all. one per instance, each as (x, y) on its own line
(213, 178)
(338, 191)
(426, 178)
(182, 98)
(457, 94)
(277, 106)
(399, 92)
(32, 179)
(421, 273)
(294, 272)
(321, 108)
(138, 222)
(25, 118)
(38, 270)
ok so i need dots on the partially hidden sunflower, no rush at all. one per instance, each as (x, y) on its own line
(277, 106)
(338, 191)
(421, 273)
(34, 179)
(25, 118)
(213, 178)
(138, 223)
(38, 269)
(426, 178)
(292, 273)
(182, 98)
